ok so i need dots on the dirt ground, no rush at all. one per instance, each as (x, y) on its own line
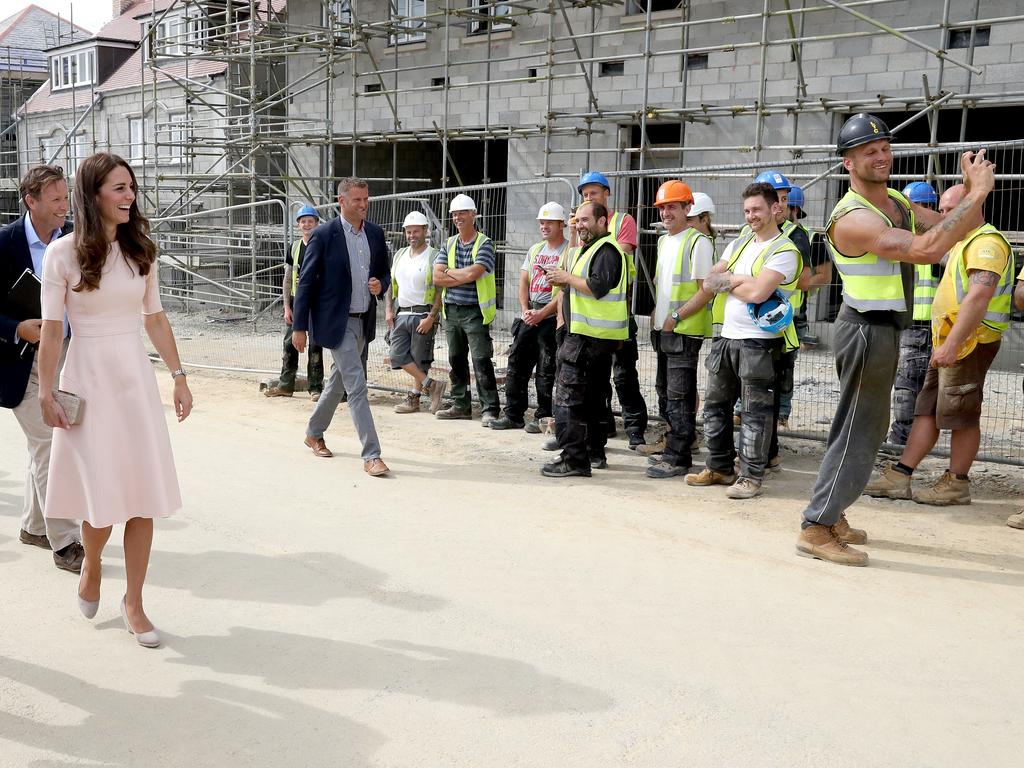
(468, 612)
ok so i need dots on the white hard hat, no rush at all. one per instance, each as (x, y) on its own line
(461, 203)
(551, 212)
(701, 204)
(415, 219)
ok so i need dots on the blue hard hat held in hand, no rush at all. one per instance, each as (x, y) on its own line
(773, 315)
(921, 192)
(307, 210)
(774, 179)
(593, 177)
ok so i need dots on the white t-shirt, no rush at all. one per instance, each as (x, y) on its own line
(411, 274)
(540, 288)
(701, 259)
(738, 324)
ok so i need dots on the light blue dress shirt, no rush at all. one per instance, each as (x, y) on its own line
(359, 262)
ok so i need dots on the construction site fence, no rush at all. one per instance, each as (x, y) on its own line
(222, 270)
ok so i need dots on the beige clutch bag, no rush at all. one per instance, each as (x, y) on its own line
(72, 404)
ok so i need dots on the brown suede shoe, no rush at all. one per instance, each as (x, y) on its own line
(277, 392)
(710, 477)
(70, 558)
(375, 468)
(849, 535)
(820, 542)
(36, 541)
(319, 447)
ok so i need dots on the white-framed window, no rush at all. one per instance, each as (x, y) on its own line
(70, 69)
(171, 138)
(176, 34)
(410, 14)
(136, 138)
(68, 153)
(479, 26)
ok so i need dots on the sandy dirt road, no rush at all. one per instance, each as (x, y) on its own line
(467, 612)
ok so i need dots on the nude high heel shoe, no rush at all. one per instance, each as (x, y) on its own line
(149, 639)
(87, 607)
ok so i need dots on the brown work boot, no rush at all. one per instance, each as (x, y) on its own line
(276, 391)
(649, 449)
(945, 491)
(710, 477)
(744, 488)
(888, 484)
(820, 542)
(849, 535)
(435, 388)
(411, 404)
(375, 467)
(454, 413)
(1016, 520)
(319, 447)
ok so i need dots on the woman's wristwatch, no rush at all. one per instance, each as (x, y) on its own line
(179, 372)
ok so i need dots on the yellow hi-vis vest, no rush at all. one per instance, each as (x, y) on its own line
(486, 287)
(614, 228)
(684, 287)
(295, 265)
(604, 318)
(781, 244)
(870, 283)
(925, 285)
(799, 296)
(997, 315)
(428, 254)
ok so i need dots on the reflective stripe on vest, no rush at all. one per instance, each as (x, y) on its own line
(296, 246)
(604, 318)
(486, 287)
(870, 283)
(997, 315)
(925, 284)
(614, 228)
(684, 287)
(428, 297)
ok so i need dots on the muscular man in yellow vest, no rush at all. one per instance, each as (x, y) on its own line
(874, 246)
(970, 312)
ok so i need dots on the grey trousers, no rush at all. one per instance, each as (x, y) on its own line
(59, 532)
(866, 358)
(347, 376)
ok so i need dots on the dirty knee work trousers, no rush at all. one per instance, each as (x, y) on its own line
(468, 337)
(581, 387)
(915, 355)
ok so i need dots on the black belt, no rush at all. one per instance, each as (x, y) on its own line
(419, 308)
(922, 324)
(538, 305)
(359, 314)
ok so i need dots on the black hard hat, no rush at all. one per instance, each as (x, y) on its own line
(860, 129)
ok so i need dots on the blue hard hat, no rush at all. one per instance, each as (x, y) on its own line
(796, 196)
(773, 178)
(774, 314)
(307, 210)
(921, 192)
(593, 177)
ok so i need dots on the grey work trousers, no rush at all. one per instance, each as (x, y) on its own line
(347, 376)
(866, 358)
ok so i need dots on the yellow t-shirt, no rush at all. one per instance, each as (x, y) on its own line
(986, 252)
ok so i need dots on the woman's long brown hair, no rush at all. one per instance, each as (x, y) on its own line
(91, 245)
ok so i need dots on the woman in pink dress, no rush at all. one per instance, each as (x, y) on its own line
(116, 465)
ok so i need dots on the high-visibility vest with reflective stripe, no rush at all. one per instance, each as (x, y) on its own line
(799, 296)
(486, 287)
(997, 315)
(428, 254)
(604, 318)
(870, 283)
(684, 287)
(296, 246)
(614, 228)
(781, 244)
(925, 284)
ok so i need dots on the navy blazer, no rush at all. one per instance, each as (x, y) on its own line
(324, 292)
(15, 368)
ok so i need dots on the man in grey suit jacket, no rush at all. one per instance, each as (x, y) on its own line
(22, 244)
(343, 276)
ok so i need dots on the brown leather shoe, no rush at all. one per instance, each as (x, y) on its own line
(375, 468)
(820, 542)
(849, 535)
(319, 447)
(70, 558)
(277, 392)
(36, 541)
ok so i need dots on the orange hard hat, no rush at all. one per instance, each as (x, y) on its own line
(673, 191)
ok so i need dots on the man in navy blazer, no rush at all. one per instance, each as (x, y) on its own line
(22, 244)
(345, 272)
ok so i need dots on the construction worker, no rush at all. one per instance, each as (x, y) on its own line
(412, 308)
(465, 273)
(970, 314)
(594, 307)
(871, 236)
(753, 280)
(533, 334)
(819, 273)
(594, 187)
(915, 341)
(678, 325)
(307, 220)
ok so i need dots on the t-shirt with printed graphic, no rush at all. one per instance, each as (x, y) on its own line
(987, 252)
(540, 288)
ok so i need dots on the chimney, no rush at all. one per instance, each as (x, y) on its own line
(120, 6)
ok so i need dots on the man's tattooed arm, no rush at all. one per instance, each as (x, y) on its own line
(983, 277)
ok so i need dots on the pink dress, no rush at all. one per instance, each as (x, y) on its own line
(117, 464)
